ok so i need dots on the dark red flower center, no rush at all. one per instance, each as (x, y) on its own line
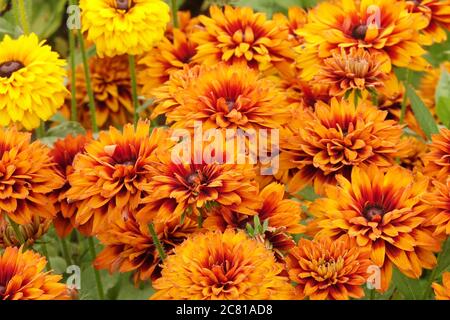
(230, 104)
(359, 32)
(124, 4)
(9, 67)
(2, 290)
(373, 212)
(195, 179)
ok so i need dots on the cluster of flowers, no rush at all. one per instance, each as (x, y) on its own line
(324, 78)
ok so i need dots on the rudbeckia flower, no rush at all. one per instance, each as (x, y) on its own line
(437, 160)
(222, 266)
(437, 203)
(384, 214)
(324, 269)
(22, 277)
(442, 292)
(120, 27)
(31, 81)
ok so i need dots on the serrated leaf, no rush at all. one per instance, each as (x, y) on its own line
(443, 98)
(421, 112)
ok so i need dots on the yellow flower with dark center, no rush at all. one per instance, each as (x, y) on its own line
(334, 139)
(383, 213)
(31, 81)
(238, 35)
(438, 14)
(442, 292)
(108, 178)
(129, 246)
(231, 97)
(437, 160)
(222, 266)
(120, 27)
(63, 153)
(112, 93)
(22, 277)
(324, 269)
(437, 204)
(353, 70)
(369, 24)
(27, 177)
(31, 232)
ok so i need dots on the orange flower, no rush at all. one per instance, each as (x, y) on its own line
(438, 14)
(355, 70)
(240, 35)
(413, 153)
(325, 269)
(26, 177)
(231, 97)
(282, 215)
(129, 246)
(178, 188)
(22, 277)
(383, 213)
(63, 154)
(437, 161)
(295, 20)
(438, 206)
(112, 92)
(108, 178)
(334, 139)
(222, 266)
(442, 292)
(371, 24)
(429, 83)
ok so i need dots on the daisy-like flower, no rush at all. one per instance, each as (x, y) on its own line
(108, 179)
(442, 292)
(241, 35)
(437, 160)
(27, 177)
(178, 188)
(334, 139)
(222, 266)
(369, 24)
(128, 246)
(232, 97)
(438, 14)
(22, 277)
(438, 206)
(112, 92)
(63, 154)
(31, 232)
(120, 27)
(31, 81)
(324, 269)
(295, 20)
(383, 213)
(353, 70)
(413, 153)
(283, 218)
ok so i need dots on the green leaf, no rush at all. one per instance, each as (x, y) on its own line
(411, 289)
(443, 98)
(62, 130)
(308, 194)
(421, 112)
(444, 259)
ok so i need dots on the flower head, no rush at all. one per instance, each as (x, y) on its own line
(27, 177)
(442, 292)
(383, 213)
(120, 27)
(326, 269)
(22, 277)
(437, 160)
(31, 232)
(225, 266)
(295, 20)
(437, 203)
(31, 81)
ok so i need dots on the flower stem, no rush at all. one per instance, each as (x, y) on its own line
(405, 98)
(174, 6)
(45, 252)
(40, 131)
(87, 75)
(98, 278)
(65, 250)
(22, 15)
(156, 241)
(73, 98)
(132, 63)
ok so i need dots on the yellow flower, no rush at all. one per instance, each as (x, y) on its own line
(124, 26)
(31, 81)
(222, 266)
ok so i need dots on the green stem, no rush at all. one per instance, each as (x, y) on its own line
(156, 241)
(132, 62)
(175, 13)
(65, 250)
(40, 131)
(87, 75)
(98, 278)
(17, 231)
(45, 251)
(23, 16)
(405, 98)
(73, 98)
(432, 277)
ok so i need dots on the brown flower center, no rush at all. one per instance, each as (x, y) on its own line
(230, 104)
(359, 32)
(373, 212)
(9, 67)
(124, 4)
(2, 290)
(195, 179)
